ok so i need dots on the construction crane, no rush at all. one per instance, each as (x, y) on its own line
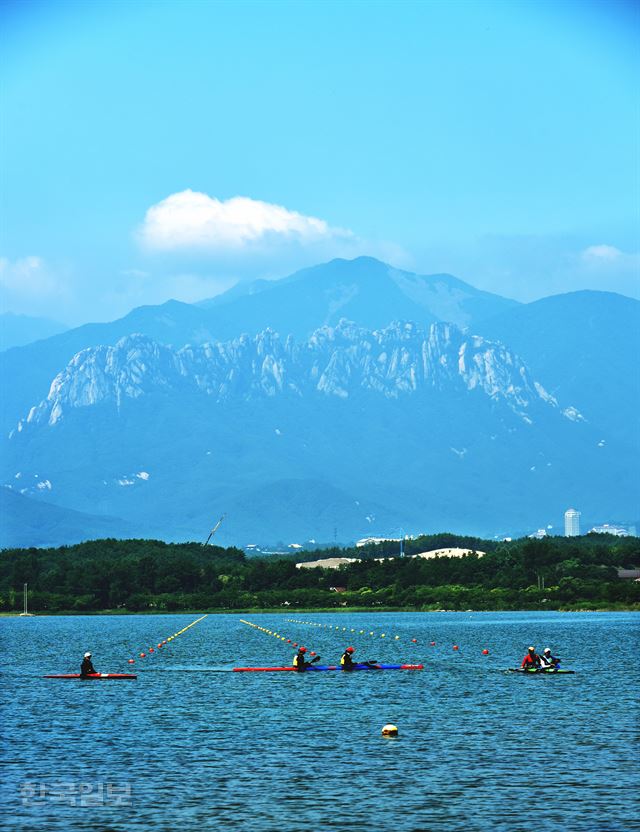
(215, 529)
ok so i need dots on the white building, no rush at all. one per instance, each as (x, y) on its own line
(571, 523)
(367, 541)
(605, 528)
(446, 553)
(538, 535)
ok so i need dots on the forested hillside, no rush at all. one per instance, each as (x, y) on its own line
(149, 575)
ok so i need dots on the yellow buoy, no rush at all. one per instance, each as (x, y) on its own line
(389, 730)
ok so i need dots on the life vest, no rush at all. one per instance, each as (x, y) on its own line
(531, 660)
(346, 661)
(86, 667)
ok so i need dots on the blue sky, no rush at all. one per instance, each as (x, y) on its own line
(496, 140)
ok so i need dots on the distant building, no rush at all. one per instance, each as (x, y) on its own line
(629, 574)
(571, 523)
(605, 528)
(538, 535)
(325, 563)
(446, 553)
(366, 541)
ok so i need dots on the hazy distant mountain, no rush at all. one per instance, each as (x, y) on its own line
(365, 290)
(18, 330)
(171, 415)
(349, 429)
(29, 522)
(586, 348)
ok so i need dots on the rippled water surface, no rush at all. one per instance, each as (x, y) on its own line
(187, 747)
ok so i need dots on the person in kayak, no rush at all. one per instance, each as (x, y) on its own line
(547, 661)
(299, 661)
(346, 662)
(531, 661)
(86, 668)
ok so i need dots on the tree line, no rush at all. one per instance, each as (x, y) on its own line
(150, 575)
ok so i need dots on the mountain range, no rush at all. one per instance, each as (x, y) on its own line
(348, 399)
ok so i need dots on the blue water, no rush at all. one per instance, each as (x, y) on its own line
(185, 747)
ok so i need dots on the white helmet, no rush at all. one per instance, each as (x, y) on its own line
(547, 649)
(87, 655)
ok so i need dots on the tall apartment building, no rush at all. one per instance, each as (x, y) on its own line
(571, 523)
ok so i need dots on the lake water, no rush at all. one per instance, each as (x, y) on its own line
(478, 749)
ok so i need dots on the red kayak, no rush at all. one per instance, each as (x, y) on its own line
(97, 676)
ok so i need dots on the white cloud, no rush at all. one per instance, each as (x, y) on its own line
(194, 221)
(601, 254)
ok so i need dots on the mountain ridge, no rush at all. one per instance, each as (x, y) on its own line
(167, 438)
(296, 304)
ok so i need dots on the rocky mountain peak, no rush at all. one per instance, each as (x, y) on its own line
(399, 360)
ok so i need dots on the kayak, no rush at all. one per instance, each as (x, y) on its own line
(316, 667)
(539, 670)
(97, 676)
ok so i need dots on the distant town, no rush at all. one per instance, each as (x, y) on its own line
(572, 528)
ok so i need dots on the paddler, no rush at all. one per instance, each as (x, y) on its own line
(299, 661)
(346, 661)
(531, 661)
(547, 661)
(87, 668)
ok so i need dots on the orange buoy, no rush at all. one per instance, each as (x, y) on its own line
(142, 655)
(132, 661)
(485, 652)
(455, 647)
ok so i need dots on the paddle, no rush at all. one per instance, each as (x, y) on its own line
(313, 661)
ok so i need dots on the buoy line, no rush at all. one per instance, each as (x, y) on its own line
(349, 630)
(337, 628)
(165, 641)
(279, 636)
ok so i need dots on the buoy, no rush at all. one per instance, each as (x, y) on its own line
(312, 653)
(389, 730)
(160, 644)
(142, 655)
(485, 652)
(151, 649)
(455, 647)
(132, 661)
(414, 640)
(295, 643)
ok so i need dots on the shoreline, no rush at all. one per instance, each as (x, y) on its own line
(307, 610)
